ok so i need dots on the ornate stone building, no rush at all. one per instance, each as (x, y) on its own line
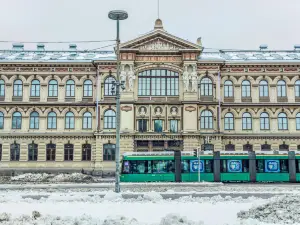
(57, 108)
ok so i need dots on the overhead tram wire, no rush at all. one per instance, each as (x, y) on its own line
(54, 42)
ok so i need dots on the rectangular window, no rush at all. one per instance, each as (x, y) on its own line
(247, 123)
(109, 152)
(264, 124)
(298, 123)
(229, 124)
(142, 125)
(163, 166)
(173, 126)
(158, 126)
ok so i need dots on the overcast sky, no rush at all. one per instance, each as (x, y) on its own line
(222, 24)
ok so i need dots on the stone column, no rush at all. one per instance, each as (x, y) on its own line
(42, 151)
(77, 152)
(26, 92)
(59, 151)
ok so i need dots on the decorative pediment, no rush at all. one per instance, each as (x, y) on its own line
(159, 40)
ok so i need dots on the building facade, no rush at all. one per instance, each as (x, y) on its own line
(57, 108)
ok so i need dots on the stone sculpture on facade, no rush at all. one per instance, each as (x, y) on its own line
(131, 78)
(123, 76)
(186, 79)
(194, 79)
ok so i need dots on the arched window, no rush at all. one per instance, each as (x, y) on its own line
(108, 86)
(109, 152)
(18, 88)
(53, 88)
(282, 121)
(206, 120)
(50, 152)
(87, 120)
(247, 121)
(34, 120)
(229, 147)
(109, 119)
(2, 88)
(297, 121)
(229, 121)
(70, 120)
(281, 88)
(86, 152)
(246, 88)
(158, 83)
(15, 152)
(266, 147)
(206, 87)
(51, 120)
(247, 147)
(263, 89)
(264, 121)
(35, 88)
(0, 152)
(207, 147)
(32, 152)
(70, 88)
(297, 88)
(87, 88)
(1, 120)
(228, 89)
(16, 120)
(68, 152)
(283, 147)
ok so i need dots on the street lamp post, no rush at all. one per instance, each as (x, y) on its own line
(118, 15)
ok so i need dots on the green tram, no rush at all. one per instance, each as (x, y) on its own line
(222, 166)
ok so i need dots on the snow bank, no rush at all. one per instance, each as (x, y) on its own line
(170, 219)
(44, 177)
(284, 210)
(152, 196)
(112, 196)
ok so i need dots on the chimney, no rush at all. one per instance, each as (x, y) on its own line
(40, 47)
(72, 47)
(297, 47)
(18, 46)
(263, 47)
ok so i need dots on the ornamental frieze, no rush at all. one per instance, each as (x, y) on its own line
(159, 58)
(290, 69)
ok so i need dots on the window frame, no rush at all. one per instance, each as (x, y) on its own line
(1, 120)
(17, 120)
(88, 88)
(68, 152)
(112, 147)
(108, 86)
(86, 152)
(70, 120)
(142, 128)
(297, 88)
(156, 123)
(52, 118)
(228, 89)
(263, 89)
(35, 119)
(35, 89)
(206, 120)
(87, 121)
(14, 152)
(158, 82)
(281, 89)
(18, 88)
(109, 120)
(176, 122)
(264, 121)
(206, 87)
(282, 121)
(246, 89)
(51, 152)
(2, 88)
(245, 121)
(70, 88)
(229, 121)
(53, 88)
(32, 152)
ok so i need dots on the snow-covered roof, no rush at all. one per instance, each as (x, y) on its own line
(251, 56)
(18, 54)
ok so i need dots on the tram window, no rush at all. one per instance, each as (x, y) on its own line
(297, 166)
(141, 167)
(185, 166)
(209, 166)
(284, 166)
(163, 166)
(260, 168)
(235, 166)
(126, 167)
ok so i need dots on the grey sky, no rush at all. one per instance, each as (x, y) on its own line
(234, 24)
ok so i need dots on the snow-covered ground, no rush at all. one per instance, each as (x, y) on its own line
(107, 208)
